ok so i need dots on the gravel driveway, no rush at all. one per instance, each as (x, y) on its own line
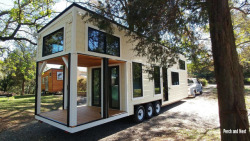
(198, 114)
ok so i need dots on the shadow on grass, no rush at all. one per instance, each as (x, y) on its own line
(24, 96)
(39, 131)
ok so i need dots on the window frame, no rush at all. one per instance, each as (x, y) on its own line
(62, 28)
(172, 72)
(105, 42)
(140, 81)
(159, 80)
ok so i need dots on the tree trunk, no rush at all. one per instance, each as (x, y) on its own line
(23, 84)
(228, 73)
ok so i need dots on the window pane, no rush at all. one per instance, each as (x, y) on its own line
(182, 64)
(175, 78)
(137, 80)
(113, 44)
(103, 43)
(114, 99)
(53, 43)
(157, 80)
(96, 41)
(96, 87)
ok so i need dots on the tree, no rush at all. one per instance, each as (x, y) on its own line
(228, 72)
(25, 17)
(176, 22)
(20, 66)
(245, 61)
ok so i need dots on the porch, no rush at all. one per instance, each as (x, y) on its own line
(106, 95)
(85, 114)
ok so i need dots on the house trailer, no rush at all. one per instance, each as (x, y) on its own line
(52, 81)
(117, 85)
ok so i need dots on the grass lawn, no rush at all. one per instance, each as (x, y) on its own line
(19, 110)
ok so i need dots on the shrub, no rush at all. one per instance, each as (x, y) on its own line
(203, 81)
(82, 85)
(247, 80)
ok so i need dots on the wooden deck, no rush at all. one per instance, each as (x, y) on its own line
(84, 114)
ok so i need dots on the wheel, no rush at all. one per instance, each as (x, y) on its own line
(139, 114)
(200, 92)
(149, 110)
(157, 108)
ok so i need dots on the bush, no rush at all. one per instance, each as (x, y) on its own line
(82, 84)
(203, 81)
(247, 80)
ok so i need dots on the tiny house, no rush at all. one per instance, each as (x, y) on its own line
(117, 86)
(52, 81)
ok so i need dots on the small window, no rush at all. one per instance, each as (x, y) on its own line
(175, 78)
(53, 42)
(157, 80)
(50, 74)
(182, 64)
(137, 80)
(101, 42)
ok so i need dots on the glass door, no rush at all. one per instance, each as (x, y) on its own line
(96, 87)
(114, 96)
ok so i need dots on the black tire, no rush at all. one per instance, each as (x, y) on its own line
(200, 92)
(139, 114)
(149, 110)
(157, 108)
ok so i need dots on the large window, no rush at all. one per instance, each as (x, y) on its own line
(103, 43)
(182, 64)
(157, 80)
(137, 80)
(175, 78)
(53, 42)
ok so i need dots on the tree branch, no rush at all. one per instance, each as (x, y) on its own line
(243, 43)
(242, 11)
(4, 13)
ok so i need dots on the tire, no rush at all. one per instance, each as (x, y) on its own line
(200, 92)
(149, 110)
(157, 108)
(139, 114)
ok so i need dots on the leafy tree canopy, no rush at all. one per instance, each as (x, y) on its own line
(23, 19)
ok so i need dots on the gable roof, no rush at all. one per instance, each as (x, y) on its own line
(83, 8)
(92, 12)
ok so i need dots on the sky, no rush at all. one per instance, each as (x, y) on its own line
(8, 4)
(58, 7)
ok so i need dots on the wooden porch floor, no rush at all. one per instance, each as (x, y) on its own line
(84, 114)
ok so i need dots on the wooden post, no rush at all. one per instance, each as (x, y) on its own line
(65, 87)
(38, 89)
(72, 90)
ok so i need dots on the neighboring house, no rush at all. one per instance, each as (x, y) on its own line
(52, 80)
(117, 86)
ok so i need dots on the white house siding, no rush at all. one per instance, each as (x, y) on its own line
(64, 21)
(126, 54)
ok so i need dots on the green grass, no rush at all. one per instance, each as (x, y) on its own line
(247, 97)
(137, 93)
(200, 134)
(157, 90)
(20, 109)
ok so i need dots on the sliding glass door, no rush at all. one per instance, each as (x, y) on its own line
(114, 87)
